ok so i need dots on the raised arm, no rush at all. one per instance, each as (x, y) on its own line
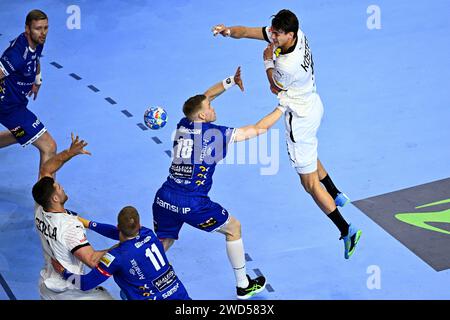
(238, 32)
(57, 161)
(251, 131)
(220, 87)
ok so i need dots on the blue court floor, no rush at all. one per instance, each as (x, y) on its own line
(385, 128)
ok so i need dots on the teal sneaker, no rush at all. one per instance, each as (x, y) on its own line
(341, 199)
(254, 286)
(351, 240)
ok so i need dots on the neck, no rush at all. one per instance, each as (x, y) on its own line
(31, 43)
(56, 209)
(289, 44)
(123, 238)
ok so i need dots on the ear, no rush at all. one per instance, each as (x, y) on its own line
(55, 198)
(27, 29)
(201, 115)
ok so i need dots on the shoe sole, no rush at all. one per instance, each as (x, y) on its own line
(358, 235)
(248, 296)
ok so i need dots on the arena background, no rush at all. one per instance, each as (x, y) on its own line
(382, 71)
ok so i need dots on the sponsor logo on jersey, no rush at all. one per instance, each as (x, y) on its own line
(107, 259)
(171, 291)
(141, 243)
(18, 132)
(208, 223)
(135, 269)
(189, 131)
(165, 280)
(36, 123)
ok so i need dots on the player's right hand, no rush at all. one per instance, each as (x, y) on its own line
(238, 79)
(221, 29)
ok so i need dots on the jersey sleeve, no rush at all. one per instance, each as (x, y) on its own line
(86, 281)
(75, 236)
(282, 79)
(11, 61)
(267, 34)
(105, 230)
(108, 264)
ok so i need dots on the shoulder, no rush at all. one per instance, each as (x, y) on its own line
(110, 258)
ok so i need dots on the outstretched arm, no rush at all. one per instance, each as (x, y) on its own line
(57, 161)
(251, 131)
(220, 87)
(104, 229)
(238, 32)
(84, 282)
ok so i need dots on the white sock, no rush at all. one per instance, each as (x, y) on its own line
(236, 255)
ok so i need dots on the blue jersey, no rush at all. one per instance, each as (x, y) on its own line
(197, 148)
(19, 65)
(139, 267)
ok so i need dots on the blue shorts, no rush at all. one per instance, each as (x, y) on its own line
(23, 124)
(171, 210)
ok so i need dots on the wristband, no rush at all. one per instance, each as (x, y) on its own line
(38, 80)
(268, 64)
(228, 82)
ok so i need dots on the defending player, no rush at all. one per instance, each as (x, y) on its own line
(183, 198)
(20, 76)
(138, 263)
(291, 78)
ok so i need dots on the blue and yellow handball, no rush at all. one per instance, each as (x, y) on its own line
(155, 117)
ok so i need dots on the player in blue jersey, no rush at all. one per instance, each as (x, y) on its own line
(138, 263)
(183, 198)
(20, 77)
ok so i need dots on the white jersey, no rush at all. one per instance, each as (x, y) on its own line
(294, 74)
(61, 234)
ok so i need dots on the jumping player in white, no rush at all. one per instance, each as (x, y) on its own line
(290, 71)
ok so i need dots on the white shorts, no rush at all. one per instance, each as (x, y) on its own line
(301, 137)
(98, 293)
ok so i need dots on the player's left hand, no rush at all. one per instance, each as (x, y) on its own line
(238, 79)
(268, 52)
(77, 146)
(34, 91)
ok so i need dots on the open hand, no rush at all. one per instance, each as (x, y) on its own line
(238, 79)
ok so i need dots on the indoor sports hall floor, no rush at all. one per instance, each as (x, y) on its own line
(385, 129)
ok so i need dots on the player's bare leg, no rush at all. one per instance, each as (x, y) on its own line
(312, 185)
(340, 198)
(167, 243)
(6, 138)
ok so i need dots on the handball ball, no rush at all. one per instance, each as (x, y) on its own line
(155, 117)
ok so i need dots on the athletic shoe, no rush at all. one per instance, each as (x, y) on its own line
(341, 199)
(254, 286)
(351, 240)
